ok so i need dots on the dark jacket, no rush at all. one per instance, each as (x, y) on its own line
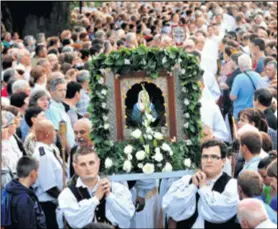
(227, 102)
(25, 207)
(270, 118)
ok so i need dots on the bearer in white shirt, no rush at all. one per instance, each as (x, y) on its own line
(91, 199)
(209, 198)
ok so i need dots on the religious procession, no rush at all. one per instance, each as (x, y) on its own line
(138, 114)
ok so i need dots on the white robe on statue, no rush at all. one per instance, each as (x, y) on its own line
(149, 216)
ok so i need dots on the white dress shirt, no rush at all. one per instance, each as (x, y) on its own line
(50, 172)
(119, 208)
(212, 117)
(180, 202)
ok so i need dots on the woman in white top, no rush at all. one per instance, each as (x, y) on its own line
(10, 150)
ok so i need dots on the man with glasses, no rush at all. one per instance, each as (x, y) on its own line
(209, 198)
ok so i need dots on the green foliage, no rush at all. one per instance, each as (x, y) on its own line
(152, 61)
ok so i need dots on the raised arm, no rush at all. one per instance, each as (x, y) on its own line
(179, 202)
(219, 207)
(119, 206)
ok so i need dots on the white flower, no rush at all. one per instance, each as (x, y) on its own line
(164, 60)
(158, 136)
(105, 118)
(140, 165)
(148, 168)
(187, 162)
(127, 62)
(136, 134)
(166, 147)
(167, 168)
(195, 87)
(108, 163)
(127, 166)
(157, 150)
(189, 142)
(158, 157)
(140, 155)
(187, 115)
(106, 126)
(171, 153)
(150, 137)
(184, 89)
(149, 117)
(186, 125)
(159, 165)
(179, 60)
(104, 92)
(149, 130)
(186, 102)
(103, 105)
(183, 71)
(128, 149)
(129, 157)
(101, 81)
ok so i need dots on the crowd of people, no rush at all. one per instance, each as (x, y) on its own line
(46, 79)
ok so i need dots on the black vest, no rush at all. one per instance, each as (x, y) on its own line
(219, 186)
(81, 194)
(72, 152)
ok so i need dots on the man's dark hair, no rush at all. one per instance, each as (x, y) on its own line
(9, 74)
(32, 112)
(84, 53)
(260, 43)
(97, 42)
(95, 49)
(7, 62)
(119, 43)
(268, 59)
(9, 86)
(264, 96)
(66, 41)
(18, 98)
(38, 49)
(251, 183)
(25, 166)
(53, 51)
(267, 144)
(72, 88)
(213, 142)
(253, 36)
(124, 26)
(252, 141)
(265, 162)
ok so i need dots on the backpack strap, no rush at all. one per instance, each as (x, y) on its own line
(254, 86)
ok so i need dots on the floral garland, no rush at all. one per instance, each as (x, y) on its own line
(117, 157)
